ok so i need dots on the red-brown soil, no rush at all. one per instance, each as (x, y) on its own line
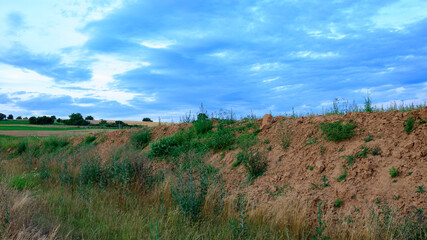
(367, 180)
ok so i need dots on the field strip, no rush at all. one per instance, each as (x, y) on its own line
(19, 133)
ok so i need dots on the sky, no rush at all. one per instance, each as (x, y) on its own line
(129, 59)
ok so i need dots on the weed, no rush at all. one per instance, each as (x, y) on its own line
(266, 141)
(338, 131)
(350, 159)
(324, 184)
(409, 125)
(255, 165)
(269, 148)
(396, 197)
(51, 144)
(90, 139)
(368, 138)
(246, 141)
(321, 228)
(285, 134)
(280, 190)
(378, 201)
(240, 226)
(140, 139)
(190, 193)
(5, 221)
(376, 151)
(310, 141)
(337, 203)
(410, 173)
(310, 168)
(420, 189)
(322, 149)
(393, 172)
(241, 157)
(154, 231)
(368, 104)
(342, 176)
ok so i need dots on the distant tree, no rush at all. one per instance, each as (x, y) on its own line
(53, 117)
(25, 118)
(2, 116)
(10, 117)
(33, 120)
(59, 120)
(89, 118)
(76, 119)
(146, 119)
(18, 118)
(41, 120)
(202, 117)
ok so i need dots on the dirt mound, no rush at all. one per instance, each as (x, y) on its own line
(312, 168)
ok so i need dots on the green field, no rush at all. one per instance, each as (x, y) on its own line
(14, 122)
(30, 128)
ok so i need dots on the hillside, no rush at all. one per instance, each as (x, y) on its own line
(373, 164)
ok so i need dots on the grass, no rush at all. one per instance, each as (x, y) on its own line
(342, 176)
(13, 122)
(337, 203)
(141, 138)
(30, 128)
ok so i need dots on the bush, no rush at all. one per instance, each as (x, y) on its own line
(221, 139)
(337, 131)
(141, 138)
(409, 125)
(190, 193)
(202, 125)
(255, 165)
(147, 119)
(88, 118)
(10, 117)
(91, 171)
(166, 146)
(241, 158)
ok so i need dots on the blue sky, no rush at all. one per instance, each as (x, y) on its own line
(128, 59)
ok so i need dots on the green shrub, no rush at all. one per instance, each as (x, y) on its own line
(393, 172)
(255, 165)
(167, 145)
(89, 139)
(189, 193)
(140, 139)
(409, 125)
(221, 139)
(368, 138)
(202, 125)
(338, 131)
(246, 141)
(91, 171)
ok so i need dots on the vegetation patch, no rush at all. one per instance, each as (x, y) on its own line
(338, 131)
(141, 138)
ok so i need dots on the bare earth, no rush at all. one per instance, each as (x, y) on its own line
(368, 179)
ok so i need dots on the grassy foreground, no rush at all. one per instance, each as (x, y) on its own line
(52, 188)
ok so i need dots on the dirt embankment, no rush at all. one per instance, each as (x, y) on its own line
(296, 170)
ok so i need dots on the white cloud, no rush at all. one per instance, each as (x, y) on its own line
(287, 87)
(270, 80)
(158, 43)
(314, 55)
(397, 15)
(274, 66)
(332, 34)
